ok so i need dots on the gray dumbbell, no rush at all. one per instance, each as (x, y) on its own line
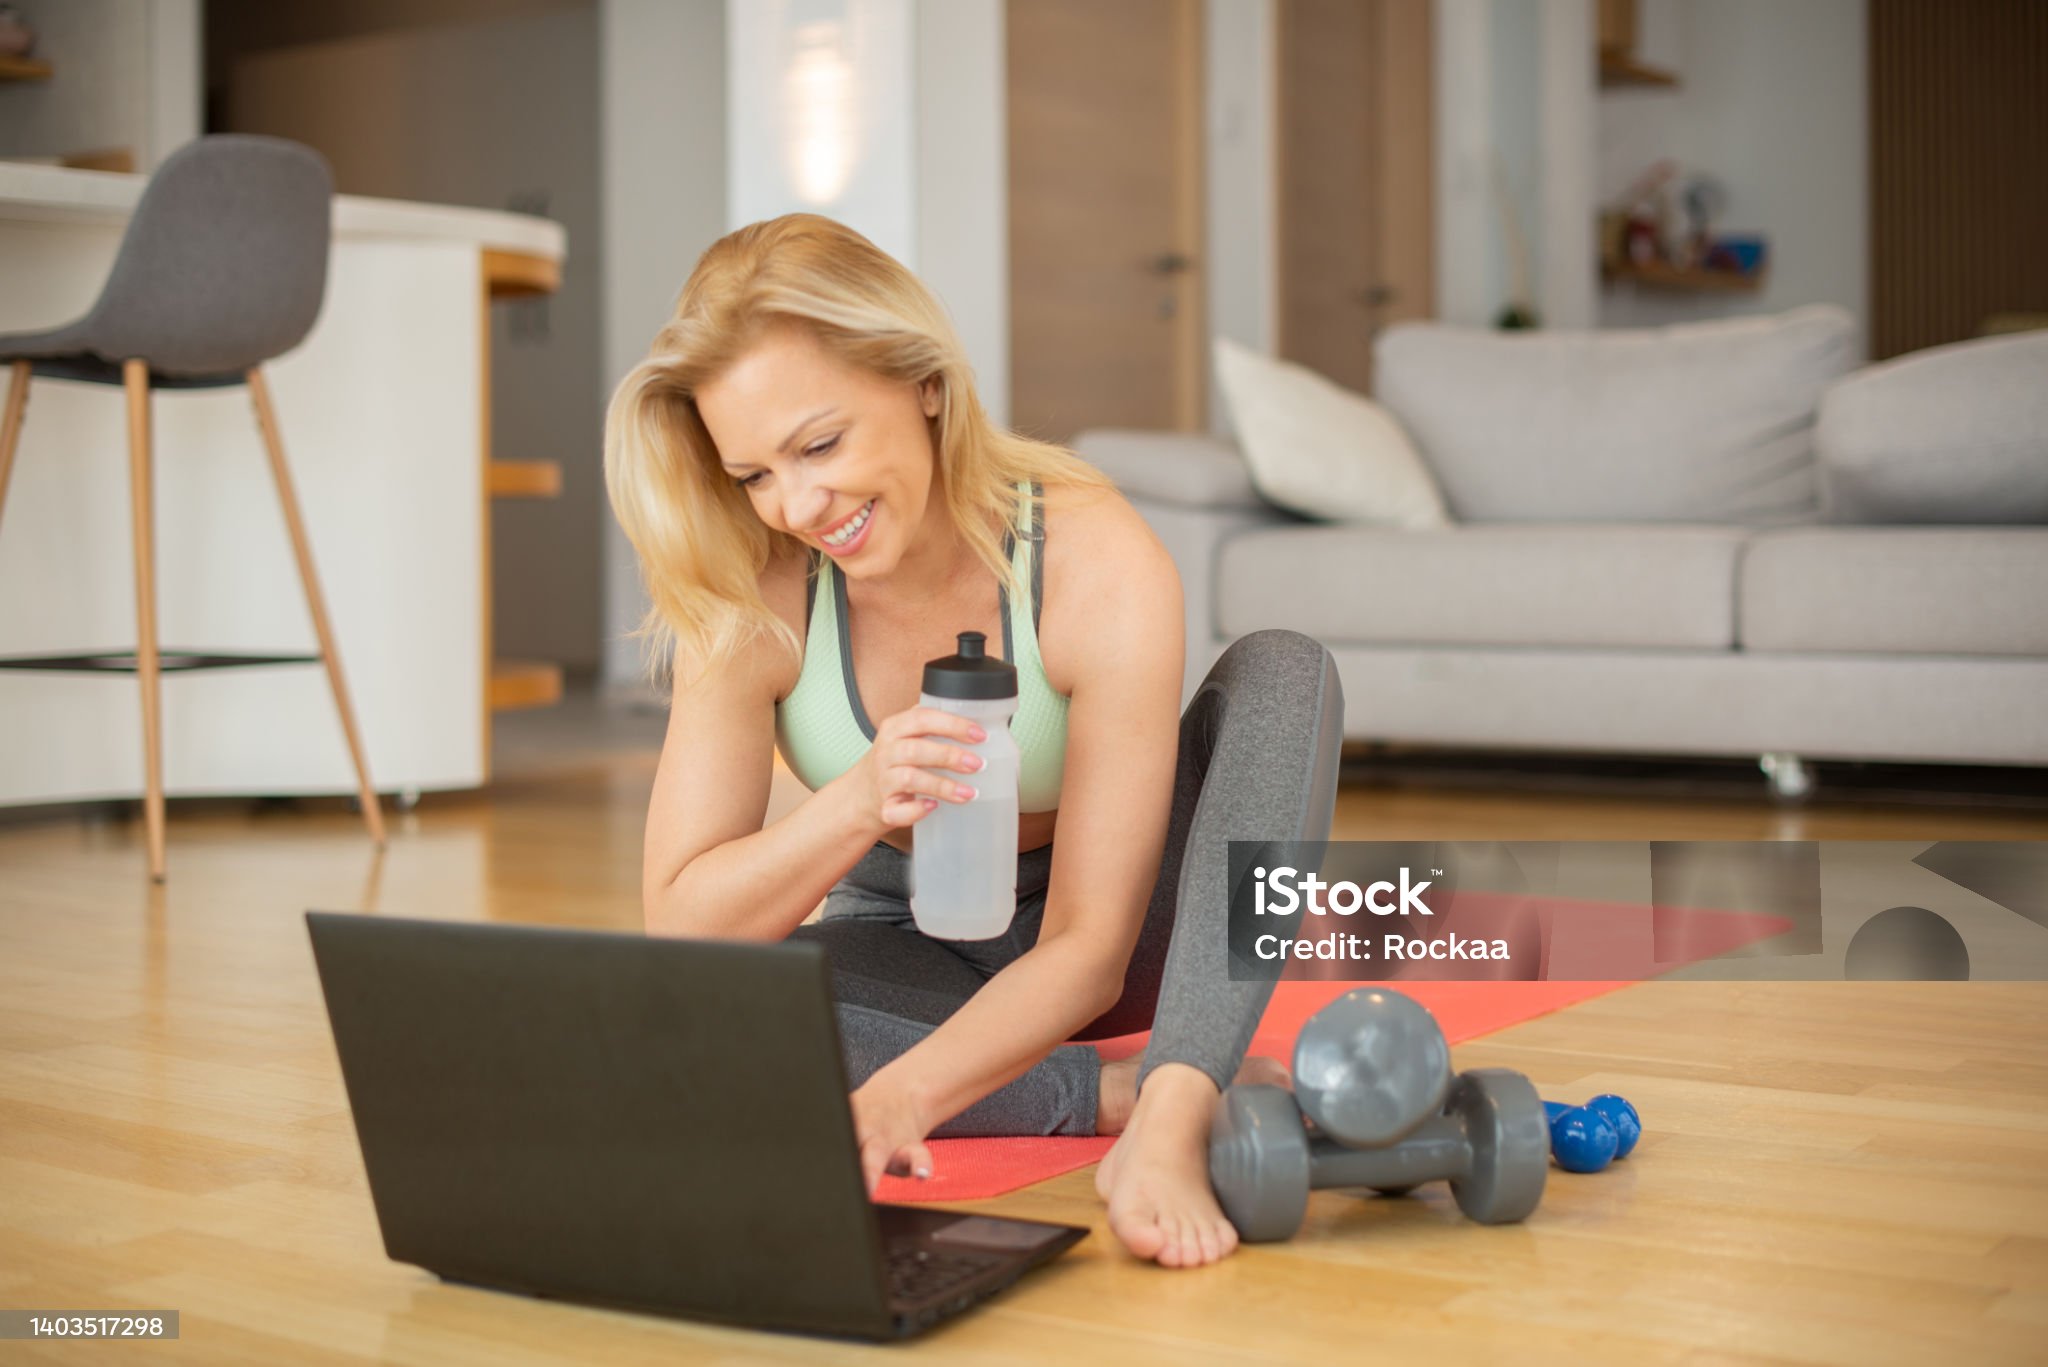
(1490, 1142)
(1370, 1067)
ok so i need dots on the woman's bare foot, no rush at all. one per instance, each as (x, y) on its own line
(1117, 1092)
(1156, 1178)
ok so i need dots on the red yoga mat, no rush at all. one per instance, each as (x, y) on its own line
(972, 1169)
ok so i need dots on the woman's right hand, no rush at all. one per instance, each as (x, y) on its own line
(905, 773)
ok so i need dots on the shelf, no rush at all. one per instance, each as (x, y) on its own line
(525, 479)
(517, 684)
(1657, 275)
(515, 275)
(120, 159)
(511, 685)
(25, 69)
(1620, 69)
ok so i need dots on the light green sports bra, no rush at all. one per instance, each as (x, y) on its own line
(823, 729)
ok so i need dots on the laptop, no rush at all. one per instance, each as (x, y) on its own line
(633, 1122)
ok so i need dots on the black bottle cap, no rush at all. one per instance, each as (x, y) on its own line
(970, 675)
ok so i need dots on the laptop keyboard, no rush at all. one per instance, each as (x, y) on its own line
(918, 1274)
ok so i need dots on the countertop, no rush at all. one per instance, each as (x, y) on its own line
(59, 194)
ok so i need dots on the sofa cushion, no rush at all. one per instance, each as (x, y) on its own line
(1187, 469)
(1485, 585)
(1700, 422)
(1952, 434)
(1896, 591)
(1321, 450)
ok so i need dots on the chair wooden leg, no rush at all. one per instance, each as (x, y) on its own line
(273, 445)
(10, 423)
(135, 378)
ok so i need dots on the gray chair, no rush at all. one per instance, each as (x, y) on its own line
(222, 268)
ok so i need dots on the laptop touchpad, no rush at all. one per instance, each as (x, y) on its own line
(980, 1231)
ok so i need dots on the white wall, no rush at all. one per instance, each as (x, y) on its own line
(819, 115)
(127, 76)
(1239, 111)
(1567, 115)
(663, 136)
(963, 181)
(1772, 102)
(1514, 118)
(177, 79)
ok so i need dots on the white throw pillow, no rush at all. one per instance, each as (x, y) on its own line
(1321, 450)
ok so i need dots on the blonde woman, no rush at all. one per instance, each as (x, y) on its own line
(820, 504)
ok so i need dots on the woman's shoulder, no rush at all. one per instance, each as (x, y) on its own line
(1105, 572)
(784, 584)
(1094, 534)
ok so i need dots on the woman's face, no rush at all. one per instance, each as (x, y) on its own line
(836, 456)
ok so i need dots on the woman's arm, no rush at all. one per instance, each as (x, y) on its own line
(710, 868)
(1116, 644)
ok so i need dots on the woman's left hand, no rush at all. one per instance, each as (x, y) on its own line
(889, 1127)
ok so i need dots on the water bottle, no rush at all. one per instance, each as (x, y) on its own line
(963, 855)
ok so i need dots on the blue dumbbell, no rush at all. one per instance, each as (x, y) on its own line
(1587, 1138)
(1627, 1124)
(1581, 1139)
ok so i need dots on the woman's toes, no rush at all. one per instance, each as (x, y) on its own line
(1212, 1243)
(1141, 1231)
(1176, 1249)
(1170, 1246)
(1202, 1249)
(1170, 1234)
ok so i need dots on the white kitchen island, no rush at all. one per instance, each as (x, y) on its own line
(384, 411)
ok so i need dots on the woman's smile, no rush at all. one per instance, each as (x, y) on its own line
(848, 537)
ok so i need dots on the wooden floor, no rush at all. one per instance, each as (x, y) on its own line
(1833, 1173)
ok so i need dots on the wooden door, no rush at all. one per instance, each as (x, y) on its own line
(1106, 306)
(1958, 197)
(1352, 178)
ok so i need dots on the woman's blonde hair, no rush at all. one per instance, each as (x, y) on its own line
(701, 546)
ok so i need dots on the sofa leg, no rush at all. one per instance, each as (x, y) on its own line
(1791, 780)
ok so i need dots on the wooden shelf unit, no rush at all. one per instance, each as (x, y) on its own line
(525, 478)
(511, 685)
(25, 69)
(1662, 276)
(517, 684)
(514, 275)
(1619, 69)
(1615, 29)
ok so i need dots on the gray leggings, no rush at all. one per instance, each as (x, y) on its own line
(1259, 748)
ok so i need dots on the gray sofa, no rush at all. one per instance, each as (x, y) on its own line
(1852, 595)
